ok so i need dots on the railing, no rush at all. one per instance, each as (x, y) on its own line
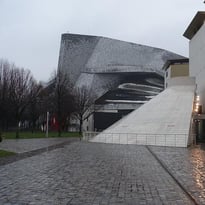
(87, 136)
(176, 140)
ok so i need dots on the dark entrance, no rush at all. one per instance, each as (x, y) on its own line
(200, 130)
(103, 120)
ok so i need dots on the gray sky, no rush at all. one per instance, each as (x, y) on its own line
(30, 30)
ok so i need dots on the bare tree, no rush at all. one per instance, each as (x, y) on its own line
(35, 107)
(5, 103)
(61, 99)
(23, 90)
(17, 90)
(84, 99)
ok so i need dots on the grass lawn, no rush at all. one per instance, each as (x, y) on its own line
(4, 153)
(27, 135)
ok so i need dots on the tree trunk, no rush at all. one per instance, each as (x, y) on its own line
(17, 132)
(1, 137)
(80, 127)
(33, 128)
(17, 126)
(59, 131)
(59, 124)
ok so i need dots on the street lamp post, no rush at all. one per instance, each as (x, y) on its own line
(47, 120)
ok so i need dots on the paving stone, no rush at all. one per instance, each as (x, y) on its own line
(187, 165)
(90, 173)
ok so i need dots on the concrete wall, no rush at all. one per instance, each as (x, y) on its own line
(178, 70)
(197, 62)
(180, 81)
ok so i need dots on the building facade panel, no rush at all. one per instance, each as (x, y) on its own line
(197, 62)
(180, 70)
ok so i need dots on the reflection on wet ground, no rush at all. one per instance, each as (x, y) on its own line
(188, 166)
(82, 173)
(28, 148)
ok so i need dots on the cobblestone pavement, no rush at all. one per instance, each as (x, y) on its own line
(187, 166)
(45, 147)
(26, 145)
(90, 174)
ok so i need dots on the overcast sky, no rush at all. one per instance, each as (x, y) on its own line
(30, 30)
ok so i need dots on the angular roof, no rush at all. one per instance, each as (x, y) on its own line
(113, 56)
(175, 61)
(195, 25)
(93, 60)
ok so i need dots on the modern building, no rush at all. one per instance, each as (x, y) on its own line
(176, 116)
(196, 35)
(165, 120)
(122, 75)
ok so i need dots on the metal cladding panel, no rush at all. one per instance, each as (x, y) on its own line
(91, 54)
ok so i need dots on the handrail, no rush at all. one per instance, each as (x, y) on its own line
(168, 139)
(139, 133)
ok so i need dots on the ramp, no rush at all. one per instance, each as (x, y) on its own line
(164, 121)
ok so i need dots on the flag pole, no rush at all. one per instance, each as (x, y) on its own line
(47, 119)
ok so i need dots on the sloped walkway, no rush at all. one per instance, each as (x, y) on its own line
(164, 120)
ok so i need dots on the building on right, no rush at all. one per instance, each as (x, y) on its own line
(196, 34)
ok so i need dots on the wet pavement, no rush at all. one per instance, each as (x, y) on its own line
(27, 145)
(28, 148)
(187, 166)
(81, 173)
